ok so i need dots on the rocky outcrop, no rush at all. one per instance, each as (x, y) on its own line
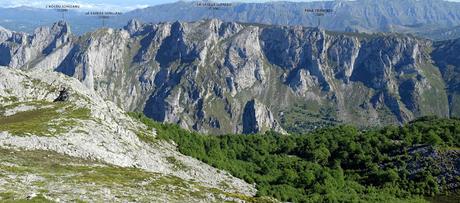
(88, 127)
(20, 50)
(200, 75)
(133, 26)
(258, 118)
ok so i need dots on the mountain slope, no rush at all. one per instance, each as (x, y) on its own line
(203, 75)
(89, 129)
(447, 58)
(441, 34)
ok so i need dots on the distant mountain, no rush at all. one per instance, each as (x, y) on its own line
(413, 16)
(220, 77)
(441, 34)
(27, 19)
(362, 15)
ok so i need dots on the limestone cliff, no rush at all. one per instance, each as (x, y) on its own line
(257, 118)
(201, 75)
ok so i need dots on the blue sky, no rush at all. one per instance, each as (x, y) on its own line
(121, 5)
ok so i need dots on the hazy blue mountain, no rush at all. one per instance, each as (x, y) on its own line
(441, 34)
(27, 19)
(363, 15)
(428, 18)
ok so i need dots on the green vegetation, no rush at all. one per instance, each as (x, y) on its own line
(298, 119)
(45, 119)
(8, 99)
(453, 197)
(70, 179)
(329, 165)
(178, 165)
(9, 198)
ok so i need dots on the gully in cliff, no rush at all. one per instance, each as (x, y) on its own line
(63, 95)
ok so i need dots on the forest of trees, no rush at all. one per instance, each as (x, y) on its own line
(336, 164)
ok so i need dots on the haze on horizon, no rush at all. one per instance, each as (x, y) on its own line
(121, 5)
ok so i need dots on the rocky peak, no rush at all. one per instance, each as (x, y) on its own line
(257, 118)
(59, 33)
(133, 26)
(4, 34)
(60, 27)
(19, 49)
(57, 30)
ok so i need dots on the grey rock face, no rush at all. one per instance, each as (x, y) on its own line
(4, 34)
(133, 26)
(446, 56)
(257, 118)
(108, 134)
(200, 75)
(19, 50)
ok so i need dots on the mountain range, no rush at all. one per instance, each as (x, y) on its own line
(362, 108)
(359, 15)
(426, 18)
(222, 77)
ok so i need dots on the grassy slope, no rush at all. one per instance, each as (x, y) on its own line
(72, 179)
(58, 177)
(46, 119)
